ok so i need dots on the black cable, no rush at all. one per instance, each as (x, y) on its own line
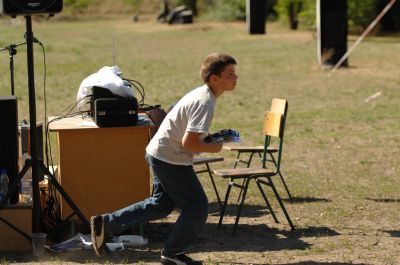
(140, 89)
(51, 210)
(76, 104)
(44, 89)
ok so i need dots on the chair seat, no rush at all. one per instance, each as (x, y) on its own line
(203, 160)
(250, 149)
(242, 172)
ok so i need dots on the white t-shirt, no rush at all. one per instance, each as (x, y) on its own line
(193, 113)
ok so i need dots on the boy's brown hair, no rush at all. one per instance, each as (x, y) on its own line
(214, 64)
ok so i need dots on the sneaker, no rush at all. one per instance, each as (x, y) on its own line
(99, 237)
(180, 259)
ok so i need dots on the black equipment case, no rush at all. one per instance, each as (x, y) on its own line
(109, 110)
(113, 112)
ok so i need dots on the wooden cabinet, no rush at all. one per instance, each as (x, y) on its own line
(101, 169)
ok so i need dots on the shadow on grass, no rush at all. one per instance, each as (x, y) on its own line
(249, 238)
(383, 200)
(305, 199)
(247, 210)
(257, 210)
(321, 263)
(392, 233)
(86, 256)
(303, 263)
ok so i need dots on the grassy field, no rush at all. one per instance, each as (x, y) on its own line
(341, 153)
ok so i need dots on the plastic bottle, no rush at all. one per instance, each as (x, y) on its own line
(26, 181)
(4, 181)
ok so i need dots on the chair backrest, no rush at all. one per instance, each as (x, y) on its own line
(274, 126)
(279, 105)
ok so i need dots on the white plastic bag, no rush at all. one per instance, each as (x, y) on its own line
(107, 77)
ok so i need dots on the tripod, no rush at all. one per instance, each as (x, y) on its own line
(34, 162)
(12, 51)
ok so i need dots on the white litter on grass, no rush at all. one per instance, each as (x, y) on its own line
(373, 96)
(80, 241)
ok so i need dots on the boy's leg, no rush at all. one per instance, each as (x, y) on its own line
(153, 208)
(156, 207)
(185, 191)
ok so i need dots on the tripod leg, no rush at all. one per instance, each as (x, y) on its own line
(64, 194)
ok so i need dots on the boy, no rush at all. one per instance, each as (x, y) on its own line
(170, 157)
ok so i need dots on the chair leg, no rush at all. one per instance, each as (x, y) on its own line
(213, 183)
(258, 181)
(241, 190)
(228, 191)
(284, 184)
(237, 160)
(241, 204)
(248, 165)
(260, 156)
(281, 176)
(281, 203)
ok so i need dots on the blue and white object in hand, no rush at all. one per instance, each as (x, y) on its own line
(224, 136)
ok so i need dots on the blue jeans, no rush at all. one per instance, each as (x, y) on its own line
(174, 186)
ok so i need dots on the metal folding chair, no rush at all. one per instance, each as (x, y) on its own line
(274, 125)
(277, 106)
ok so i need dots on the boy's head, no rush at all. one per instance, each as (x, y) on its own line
(214, 64)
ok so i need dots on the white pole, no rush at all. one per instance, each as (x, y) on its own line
(365, 33)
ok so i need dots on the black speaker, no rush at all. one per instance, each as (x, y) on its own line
(115, 112)
(333, 31)
(9, 140)
(30, 7)
(255, 16)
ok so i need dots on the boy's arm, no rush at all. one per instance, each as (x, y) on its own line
(192, 141)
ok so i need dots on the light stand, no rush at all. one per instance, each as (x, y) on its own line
(34, 162)
(36, 209)
(12, 51)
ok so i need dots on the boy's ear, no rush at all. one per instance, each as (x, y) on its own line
(213, 78)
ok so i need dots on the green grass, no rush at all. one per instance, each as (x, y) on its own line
(337, 146)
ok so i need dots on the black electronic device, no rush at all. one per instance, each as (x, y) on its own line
(9, 139)
(114, 112)
(30, 7)
(97, 93)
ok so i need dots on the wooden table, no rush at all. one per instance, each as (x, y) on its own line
(101, 169)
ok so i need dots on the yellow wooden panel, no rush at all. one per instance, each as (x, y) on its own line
(272, 123)
(11, 240)
(278, 106)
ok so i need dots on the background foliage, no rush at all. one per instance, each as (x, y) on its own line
(361, 13)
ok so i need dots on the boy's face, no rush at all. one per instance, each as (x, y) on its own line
(228, 78)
